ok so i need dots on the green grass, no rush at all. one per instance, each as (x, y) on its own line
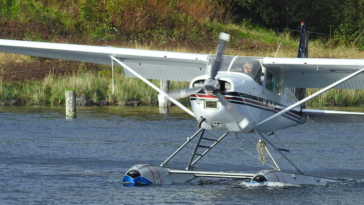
(246, 40)
(337, 97)
(94, 85)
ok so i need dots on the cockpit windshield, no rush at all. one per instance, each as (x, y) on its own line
(247, 65)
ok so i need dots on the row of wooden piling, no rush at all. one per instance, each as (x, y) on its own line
(71, 101)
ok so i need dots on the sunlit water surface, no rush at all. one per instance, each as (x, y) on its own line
(45, 159)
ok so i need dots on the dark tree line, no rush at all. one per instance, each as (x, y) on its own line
(342, 20)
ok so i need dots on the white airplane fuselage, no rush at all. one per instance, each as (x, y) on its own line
(251, 101)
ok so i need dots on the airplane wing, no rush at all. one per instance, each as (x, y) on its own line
(161, 65)
(316, 72)
(332, 116)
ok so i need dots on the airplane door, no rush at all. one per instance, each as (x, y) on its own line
(271, 95)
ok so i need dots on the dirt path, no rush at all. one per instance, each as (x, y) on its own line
(34, 71)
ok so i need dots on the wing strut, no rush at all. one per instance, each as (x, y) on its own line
(153, 86)
(310, 97)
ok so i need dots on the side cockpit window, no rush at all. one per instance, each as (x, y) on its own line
(273, 83)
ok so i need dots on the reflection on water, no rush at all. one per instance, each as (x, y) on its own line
(45, 159)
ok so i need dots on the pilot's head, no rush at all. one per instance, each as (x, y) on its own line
(248, 68)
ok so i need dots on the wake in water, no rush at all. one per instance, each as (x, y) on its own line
(265, 184)
(342, 183)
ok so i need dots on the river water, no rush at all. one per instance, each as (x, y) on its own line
(45, 159)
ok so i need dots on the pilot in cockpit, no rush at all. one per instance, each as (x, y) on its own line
(248, 68)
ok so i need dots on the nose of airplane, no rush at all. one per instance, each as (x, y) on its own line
(212, 114)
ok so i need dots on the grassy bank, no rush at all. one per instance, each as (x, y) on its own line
(41, 81)
(337, 97)
(94, 85)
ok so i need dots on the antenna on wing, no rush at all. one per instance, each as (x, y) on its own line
(303, 45)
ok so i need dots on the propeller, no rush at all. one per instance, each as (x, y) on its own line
(178, 94)
(211, 86)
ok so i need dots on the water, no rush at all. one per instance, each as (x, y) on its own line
(45, 159)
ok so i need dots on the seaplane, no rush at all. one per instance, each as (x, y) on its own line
(231, 94)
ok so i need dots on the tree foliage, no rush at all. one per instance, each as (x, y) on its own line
(162, 21)
(185, 22)
(342, 20)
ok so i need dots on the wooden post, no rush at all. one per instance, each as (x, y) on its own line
(70, 104)
(163, 101)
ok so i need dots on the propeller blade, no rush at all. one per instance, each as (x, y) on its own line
(229, 107)
(222, 99)
(184, 92)
(223, 40)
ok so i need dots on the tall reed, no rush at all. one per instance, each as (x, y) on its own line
(94, 85)
(337, 97)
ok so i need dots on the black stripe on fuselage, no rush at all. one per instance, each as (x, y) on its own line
(247, 100)
(260, 100)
